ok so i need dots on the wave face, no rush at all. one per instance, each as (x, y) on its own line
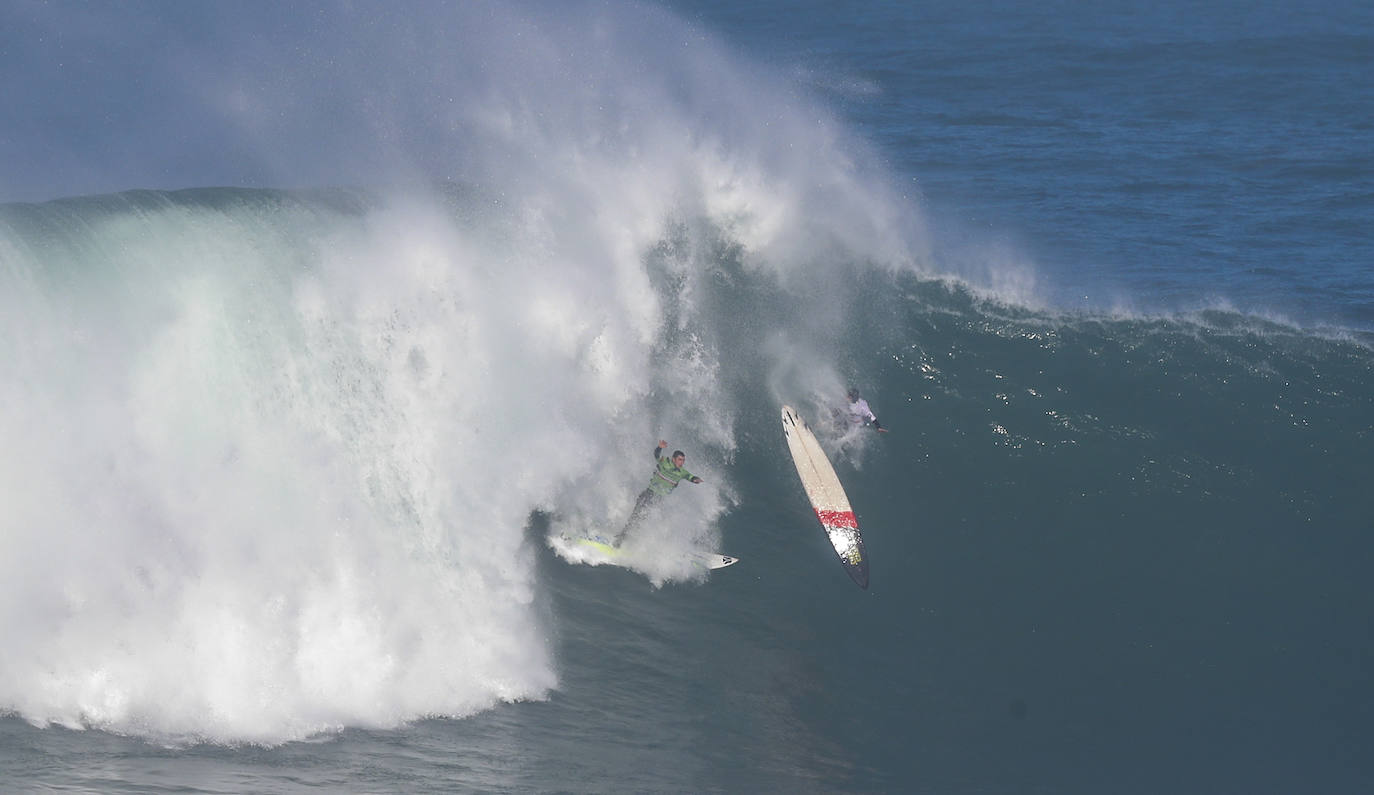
(280, 463)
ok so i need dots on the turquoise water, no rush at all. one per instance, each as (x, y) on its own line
(288, 429)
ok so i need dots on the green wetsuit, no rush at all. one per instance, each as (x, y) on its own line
(667, 475)
(665, 478)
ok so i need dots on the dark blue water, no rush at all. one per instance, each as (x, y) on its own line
(1175, 156)
(283, 462)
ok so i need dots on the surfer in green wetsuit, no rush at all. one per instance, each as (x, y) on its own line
(667, 474)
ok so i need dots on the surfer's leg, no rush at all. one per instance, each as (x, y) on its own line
(646, 499)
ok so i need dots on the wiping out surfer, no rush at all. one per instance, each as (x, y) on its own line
(668, 472)
(860, 413)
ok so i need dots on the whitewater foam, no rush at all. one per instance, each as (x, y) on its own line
(270, 457)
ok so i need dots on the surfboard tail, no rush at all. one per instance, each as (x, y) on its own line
(849, 547)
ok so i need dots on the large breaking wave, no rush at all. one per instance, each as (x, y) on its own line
(271, 456)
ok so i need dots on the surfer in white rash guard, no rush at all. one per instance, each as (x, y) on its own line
(667, 474)
(859, 412)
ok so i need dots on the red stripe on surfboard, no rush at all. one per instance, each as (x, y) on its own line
(837, 518)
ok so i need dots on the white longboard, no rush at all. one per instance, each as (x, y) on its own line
(827, 496)
(611, 554)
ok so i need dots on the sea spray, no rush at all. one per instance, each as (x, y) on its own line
(270, 456)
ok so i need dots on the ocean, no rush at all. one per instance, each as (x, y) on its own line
(324, 322)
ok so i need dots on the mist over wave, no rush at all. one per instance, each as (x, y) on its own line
(270, 456)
